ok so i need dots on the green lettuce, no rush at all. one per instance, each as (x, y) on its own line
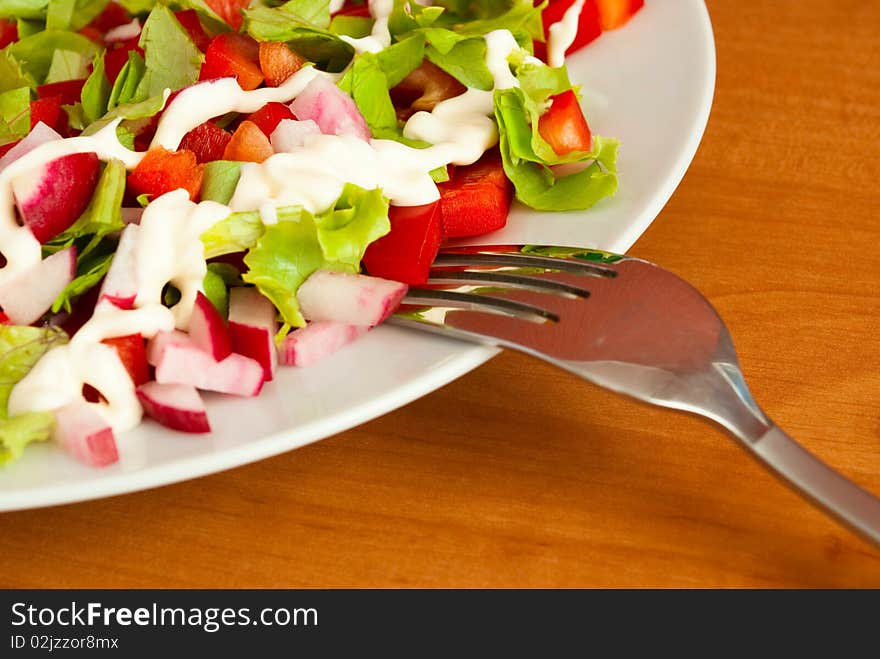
(12, 75)
(90, 270)
(220, 179)
(126, 84)
(72, 14)
(20, 349)
(95, 92)
(15, 114)
(67, 65)
(29, 9)
(172, 59)
(238, 232)
(34, 53)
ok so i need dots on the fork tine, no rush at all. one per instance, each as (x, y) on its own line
(474, 302)
(447, 259)
(508, 279)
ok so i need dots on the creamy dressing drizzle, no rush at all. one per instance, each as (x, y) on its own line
(563, 33)
(379, 38)
(167, 247)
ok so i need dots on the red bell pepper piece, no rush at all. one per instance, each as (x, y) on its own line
(233, 54)
(8, 32)
(564, 126)
(229, 10)
(162, 171)
(278, 62)
(476, 199)
(269, 116)
(189, 19)
(248, 144)
(406, 253)
(614, 13)
(349, 9)
(68, 90)
(207, 141)
(589, 25)
(47, 110)
(132, 353)
(113, 15)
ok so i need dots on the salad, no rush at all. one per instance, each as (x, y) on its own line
(193, 192)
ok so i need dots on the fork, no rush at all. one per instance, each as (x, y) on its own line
(627, 325)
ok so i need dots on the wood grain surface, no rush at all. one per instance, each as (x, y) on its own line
(518, 475)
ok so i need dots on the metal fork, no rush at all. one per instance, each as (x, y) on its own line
(627, 325)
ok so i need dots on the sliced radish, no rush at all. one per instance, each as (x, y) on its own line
(348, 298)
(291, 134)
(123, 32)
(252, 327)
(120, 284)
(207, 329)
(177, 406)
(305, 346)
(182, 362)
(52, 196)
(29, 295)
(156, 346)
(84, 434)
(40, 134)
(331, 108)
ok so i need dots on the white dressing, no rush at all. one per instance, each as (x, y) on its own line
(563, 33)
(379, 38)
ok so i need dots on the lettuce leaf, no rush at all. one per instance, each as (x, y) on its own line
(95, 93)
(20, 349)
(220, 179)
(72, 14)
(29, 9)
(34, 53)
(15, 114)
(288, 252)
(89, 273)
(172, 60)
(238, 232)
(67, 65)
(126, 84)
(12, 75)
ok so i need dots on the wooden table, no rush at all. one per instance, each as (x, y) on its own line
(520, 475)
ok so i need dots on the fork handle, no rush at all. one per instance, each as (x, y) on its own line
(819, 482)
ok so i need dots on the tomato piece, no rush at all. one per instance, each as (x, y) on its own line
(406, 253)
(207, 141)
(248, 144)
(8, 32)
(189, 19)
(161, 171)
(614, 13)
(278, 62)
(476, 199)
(229, 10)
(69, 91)
(132, 353)
(269, 116)
(564, 126)
(47, 110)
(589, 25)
(233, 54)
(113, 15)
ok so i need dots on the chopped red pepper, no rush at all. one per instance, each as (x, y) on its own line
(233, 54)
(68, 90)
(406, 253)
(476, 199)
(564, 126)
(189, 19)
(162, 171)
(278, 62)
(248, 144)
(132, 353)
(8, 32)
(47, 110)
(113, 15)
(589, 25)
(229, 10)
(207, 141)
(269, 116)
(615, 13)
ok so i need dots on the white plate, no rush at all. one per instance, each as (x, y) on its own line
(649, 84)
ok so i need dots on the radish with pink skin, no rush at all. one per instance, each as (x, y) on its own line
(179, 361)
(176, 406)
(120, 284)
(332, 109)
(30, 294)
(309, 344)
(252, 327)
(207, 329)
(123, 32)
(84, 434)
(39, 135)
(52, 196)
(349, 298)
